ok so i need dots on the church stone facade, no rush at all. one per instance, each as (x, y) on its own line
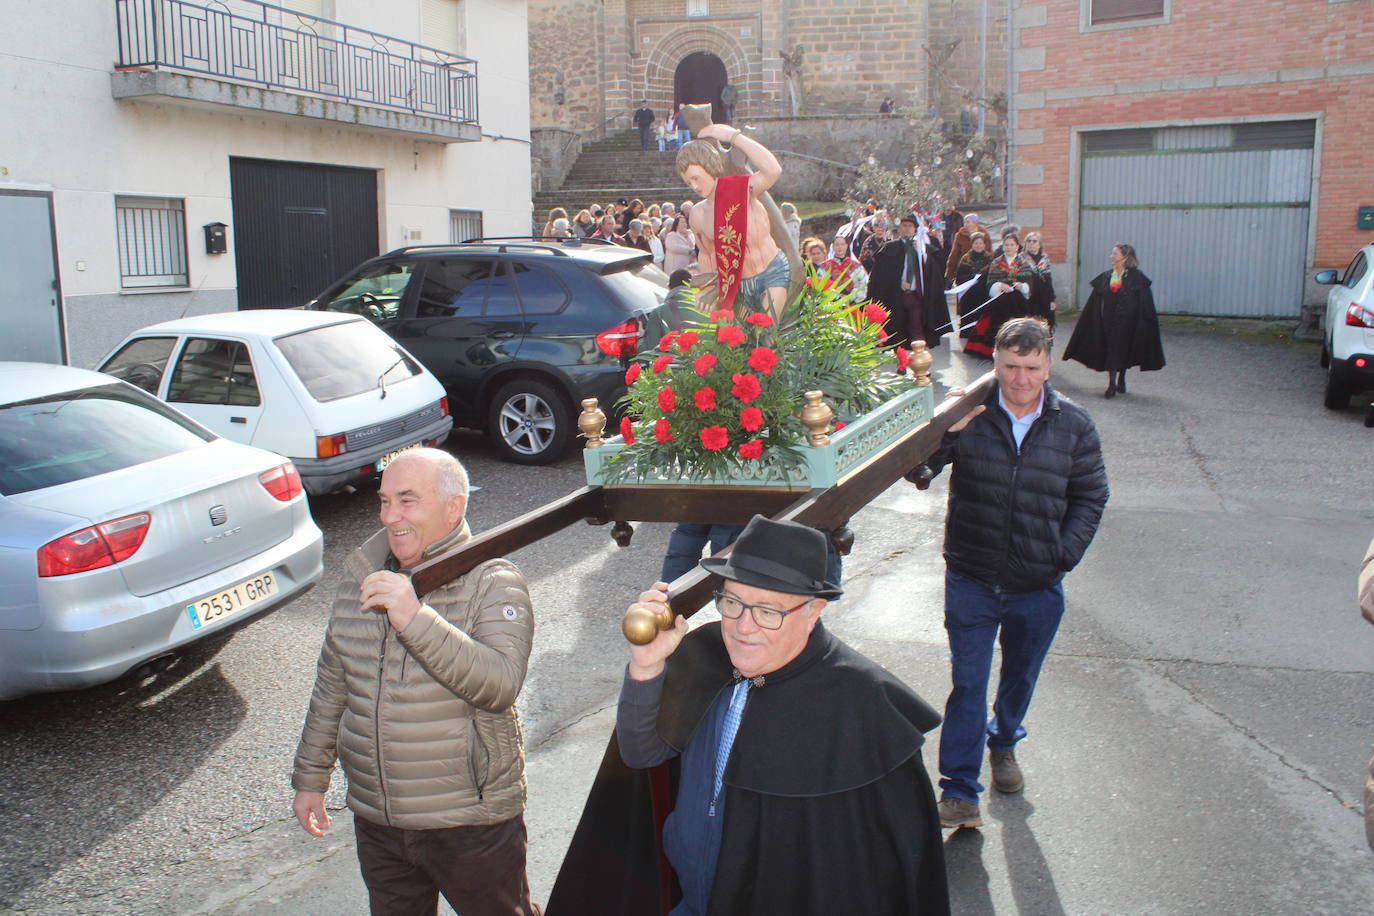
(591, 61)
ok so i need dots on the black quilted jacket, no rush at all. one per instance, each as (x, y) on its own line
(1018, 522)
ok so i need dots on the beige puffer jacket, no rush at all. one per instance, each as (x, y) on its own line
(423, 722)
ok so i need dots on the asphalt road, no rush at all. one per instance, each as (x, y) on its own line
(1197, 743)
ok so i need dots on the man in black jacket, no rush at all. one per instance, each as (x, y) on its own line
(644, 119)
(1025, 498)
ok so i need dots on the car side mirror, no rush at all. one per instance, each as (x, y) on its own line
(1327, 277)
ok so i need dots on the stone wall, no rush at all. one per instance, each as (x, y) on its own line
(553, 150)
(954, 63)
(847, 139)
(566, 64)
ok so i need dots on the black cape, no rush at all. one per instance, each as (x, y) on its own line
(830, 808)
(1118, 330)
(885, 285)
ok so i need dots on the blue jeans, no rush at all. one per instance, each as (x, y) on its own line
(974, 614)
(686, 542)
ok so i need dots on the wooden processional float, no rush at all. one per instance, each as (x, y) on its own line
(844, 472)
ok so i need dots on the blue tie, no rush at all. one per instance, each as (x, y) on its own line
(727, 738)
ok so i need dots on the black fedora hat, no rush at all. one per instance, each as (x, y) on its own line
(785, 557)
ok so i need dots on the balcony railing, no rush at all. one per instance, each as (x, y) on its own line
(251, 43)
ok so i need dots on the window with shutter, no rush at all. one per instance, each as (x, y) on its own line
(464, 225)
(442, 26)
(1109, 12)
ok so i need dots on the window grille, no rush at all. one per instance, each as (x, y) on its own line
(152, 242)
(464, 225)
(1104, 12)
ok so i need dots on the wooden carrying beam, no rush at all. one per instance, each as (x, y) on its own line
(821, 508)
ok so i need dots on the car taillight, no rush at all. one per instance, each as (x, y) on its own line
(91, 548)
(283, 482)
(329, 446)
(621, 340)
(1357, 316)
(443, 405)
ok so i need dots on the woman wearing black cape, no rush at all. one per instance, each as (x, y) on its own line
(1118, 328)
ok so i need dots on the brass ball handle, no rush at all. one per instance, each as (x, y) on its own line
(641, 625)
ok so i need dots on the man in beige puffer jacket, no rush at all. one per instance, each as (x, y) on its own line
(417, 702)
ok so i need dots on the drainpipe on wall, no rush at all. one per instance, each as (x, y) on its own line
(983, 67)
(1008, 151)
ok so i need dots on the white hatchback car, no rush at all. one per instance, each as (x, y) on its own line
(331, 392)
(1348, 335)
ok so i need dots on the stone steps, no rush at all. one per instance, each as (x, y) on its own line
(614, 168)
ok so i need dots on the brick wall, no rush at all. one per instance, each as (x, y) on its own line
(1214, 60)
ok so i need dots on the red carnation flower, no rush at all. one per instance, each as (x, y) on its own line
(632, 373)
(705, 398)
(627, 431)
(662, 362)
(666, 340)
(903, 358)
(730, 335)
(686, 340)
(746, 387)
(763, 359)
(715, 438)
(667, 400)
(875, 313)
(661, 431)
(839, 425)
(722, 316)
(760, 319)
(882, 336)
(705, 363)
(751, 418)
(751, 449)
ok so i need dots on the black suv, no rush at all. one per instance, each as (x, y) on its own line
(518, 332)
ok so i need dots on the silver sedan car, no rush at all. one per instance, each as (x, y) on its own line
(128, 532)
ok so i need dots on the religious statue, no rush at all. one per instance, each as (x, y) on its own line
(749, 260)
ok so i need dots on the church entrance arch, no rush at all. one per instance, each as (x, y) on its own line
(698, 79)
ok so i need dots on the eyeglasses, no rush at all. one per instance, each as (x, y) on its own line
(767, 618)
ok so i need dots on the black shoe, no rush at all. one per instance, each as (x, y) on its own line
(1121, 385)
(1111, 390)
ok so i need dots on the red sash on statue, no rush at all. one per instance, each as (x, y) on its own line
(731, 232)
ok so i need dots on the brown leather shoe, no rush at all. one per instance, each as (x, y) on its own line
(957, 813)
(1006, 772)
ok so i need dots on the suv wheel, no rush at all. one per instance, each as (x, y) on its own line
(530, 421)
(1337, 394)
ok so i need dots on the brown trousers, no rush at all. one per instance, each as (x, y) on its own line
(479, 870)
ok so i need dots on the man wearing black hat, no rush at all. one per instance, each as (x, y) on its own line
(908, 279)
(794, 762)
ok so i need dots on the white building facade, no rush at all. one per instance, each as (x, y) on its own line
(178, 157)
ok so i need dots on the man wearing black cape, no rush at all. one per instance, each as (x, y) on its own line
(908, 278)
(784, 768)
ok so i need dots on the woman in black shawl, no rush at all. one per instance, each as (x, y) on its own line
(1118, 328)
(1009, 280)
(974, 263)
(1043, 302)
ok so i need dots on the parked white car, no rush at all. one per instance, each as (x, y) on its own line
(1348, 335)
(331, 392)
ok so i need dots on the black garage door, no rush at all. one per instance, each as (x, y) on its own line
(297, 227)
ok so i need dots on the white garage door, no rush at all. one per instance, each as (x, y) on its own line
(1218, 215)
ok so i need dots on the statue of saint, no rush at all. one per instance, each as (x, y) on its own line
(735, 237)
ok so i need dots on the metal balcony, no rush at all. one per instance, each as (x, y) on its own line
(277, 61)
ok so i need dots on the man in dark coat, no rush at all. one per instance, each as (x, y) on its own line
(644, 120)
(793, 761)
(1025, 497)
(908, 279)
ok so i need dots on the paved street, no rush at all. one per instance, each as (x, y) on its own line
(1197, 742)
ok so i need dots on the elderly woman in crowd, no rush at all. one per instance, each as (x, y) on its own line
(679, 247)
(583, 224)
(561, 229)
(1118, 328)
(555, 214)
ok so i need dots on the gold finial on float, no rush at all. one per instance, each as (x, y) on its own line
(641, 624)
(816, 417)
(592, 422)
(921, 361)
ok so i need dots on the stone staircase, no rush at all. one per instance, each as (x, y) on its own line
(610, 169)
